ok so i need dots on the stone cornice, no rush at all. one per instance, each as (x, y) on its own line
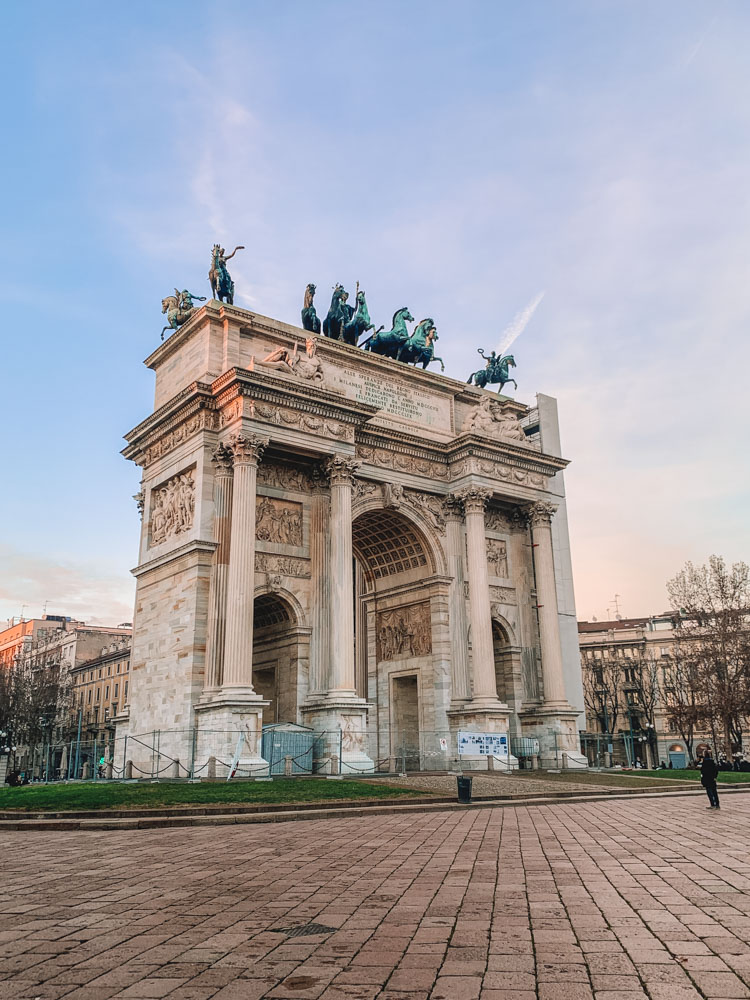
(196, 545)
(477, 446)
(196, 401)
(282, 390)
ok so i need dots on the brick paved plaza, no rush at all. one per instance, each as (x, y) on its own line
(614, 900)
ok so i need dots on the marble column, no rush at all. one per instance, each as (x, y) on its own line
(546, 589)
(341, 679)
(321, 573)
(217, 595)
(238, 648)
(475, 499)
(460, 682)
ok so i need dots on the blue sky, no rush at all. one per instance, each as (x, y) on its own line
(457, 158)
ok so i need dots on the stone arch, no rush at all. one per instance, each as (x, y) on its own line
(280, 653)
(508, 661)
(287, 597)
(388, 541)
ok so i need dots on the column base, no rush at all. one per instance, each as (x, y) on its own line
(554, 726)
(343, 721)
(219, 722)
(481, 716)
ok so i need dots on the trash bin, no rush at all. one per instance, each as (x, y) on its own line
(464, 789)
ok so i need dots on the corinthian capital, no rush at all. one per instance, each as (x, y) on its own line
(223, 459)
(452, 506)
(541, 513)
(247, 449)
(340, 469)
(474, 498)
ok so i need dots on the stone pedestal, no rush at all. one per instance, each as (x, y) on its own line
(344, 722)
(555, 728)
(219, 723)
(480, 720)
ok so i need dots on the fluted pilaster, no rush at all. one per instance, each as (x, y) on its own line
(222, 459)
(474, 499)
(540, 516)
(238, 648)
(460, 679)
(341, 680)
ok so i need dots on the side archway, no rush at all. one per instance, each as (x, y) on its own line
(280, 654)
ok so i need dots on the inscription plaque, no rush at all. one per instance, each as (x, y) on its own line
(392, 396)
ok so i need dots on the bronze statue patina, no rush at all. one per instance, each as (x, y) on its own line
(494, 371)
(419, 348)
(390, 342)
(179, 308)
(310, 320)
(360, 322)
(222, 286)
(339, 314)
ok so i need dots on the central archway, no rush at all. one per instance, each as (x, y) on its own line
(395, 566)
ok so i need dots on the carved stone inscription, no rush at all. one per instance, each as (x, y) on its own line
(392, 396)
(278, 521)
(497, 558)
(172, 507)
(404, 632)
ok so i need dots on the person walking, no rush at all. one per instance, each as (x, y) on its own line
(709, 771)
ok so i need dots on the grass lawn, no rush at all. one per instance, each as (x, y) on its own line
(726, 777)
(102, 795)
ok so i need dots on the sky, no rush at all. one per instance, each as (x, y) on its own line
(461, 158)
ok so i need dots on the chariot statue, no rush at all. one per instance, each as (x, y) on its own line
(339, 314)
(310, 320)
(222, 286)
(390, 342)
(179, 308)
(419, 347)
(495, 371)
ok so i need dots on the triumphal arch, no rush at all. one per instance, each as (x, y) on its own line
(337, 540)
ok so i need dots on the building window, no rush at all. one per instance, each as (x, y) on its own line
(98, 693)
(89, 697)
(125, 692)
(116, 690)
(109, 671)
(100, 675)
(106, 693)
(118, 668)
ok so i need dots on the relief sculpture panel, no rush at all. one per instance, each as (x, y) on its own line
(497, 558)
(172, 507)
(278, 521)
(404, 632)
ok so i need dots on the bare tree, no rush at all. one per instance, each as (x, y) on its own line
(714, 604)
(681, 697)
(602, 683)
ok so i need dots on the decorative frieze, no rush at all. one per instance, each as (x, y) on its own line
(403, 632)
(495, 520)
(399, 462)
(284, 477)
(278, 521)
(363, 489)
(172, 507)
(202, 420)
(308, 422)
(503, 595)
(265, 562)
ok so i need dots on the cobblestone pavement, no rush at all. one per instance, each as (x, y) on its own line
(501, 784)
(616, 900)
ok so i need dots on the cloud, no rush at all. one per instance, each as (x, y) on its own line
(78, 589)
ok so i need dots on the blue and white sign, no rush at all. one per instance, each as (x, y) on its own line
(482, 744)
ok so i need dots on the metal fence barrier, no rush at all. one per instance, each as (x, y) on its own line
(280, 750)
